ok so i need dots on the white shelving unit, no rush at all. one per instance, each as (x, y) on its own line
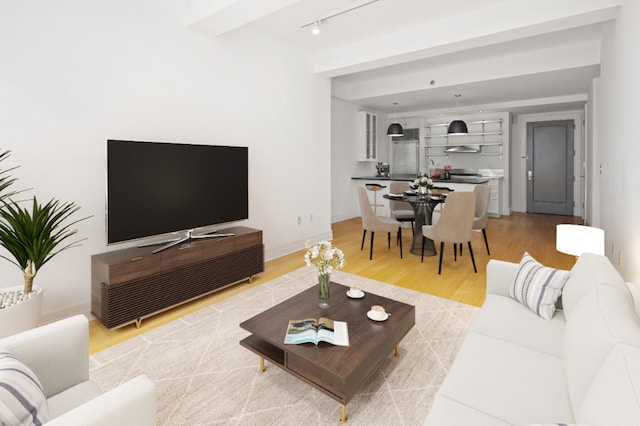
(484, 138)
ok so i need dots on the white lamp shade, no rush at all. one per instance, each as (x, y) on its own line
(578, 239)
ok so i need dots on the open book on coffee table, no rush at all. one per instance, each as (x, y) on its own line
(313, 330)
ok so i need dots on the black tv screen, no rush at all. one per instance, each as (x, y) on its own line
(156, 188)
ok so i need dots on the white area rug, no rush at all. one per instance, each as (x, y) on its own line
(203, 375)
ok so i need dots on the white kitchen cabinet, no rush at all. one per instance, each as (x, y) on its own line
(367, 136)
(494, 202)
(494, 184)
(461, 187)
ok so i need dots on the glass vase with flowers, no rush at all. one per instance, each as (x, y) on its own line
(422, 184)
(324, 258)
(447, 171)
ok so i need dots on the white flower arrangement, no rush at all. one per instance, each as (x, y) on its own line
(324, 257)
(422, 180)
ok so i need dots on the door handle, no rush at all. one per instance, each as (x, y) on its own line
(530, 174)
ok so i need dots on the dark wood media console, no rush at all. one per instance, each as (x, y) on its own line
(131, 284)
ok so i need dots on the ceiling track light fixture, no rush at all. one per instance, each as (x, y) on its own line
(315, 30)
(457, 126)
(395, 129)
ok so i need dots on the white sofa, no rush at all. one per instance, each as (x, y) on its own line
(516, 368)
(58, 355)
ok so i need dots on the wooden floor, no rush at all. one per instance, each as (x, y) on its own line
(509, 237)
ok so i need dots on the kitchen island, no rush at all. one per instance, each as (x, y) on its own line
(456, 183)
(461, 180)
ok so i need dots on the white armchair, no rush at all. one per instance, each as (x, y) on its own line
(58, 355)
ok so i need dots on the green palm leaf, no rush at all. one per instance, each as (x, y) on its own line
(35, 236)
(32, 237)
(5, 179)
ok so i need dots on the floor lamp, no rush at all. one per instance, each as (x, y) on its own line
(578, 239)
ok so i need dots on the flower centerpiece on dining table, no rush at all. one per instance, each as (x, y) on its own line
(422, 184)
(324, 258)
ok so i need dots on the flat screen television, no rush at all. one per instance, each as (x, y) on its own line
(157, 188)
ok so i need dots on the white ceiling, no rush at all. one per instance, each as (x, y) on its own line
(516, 55)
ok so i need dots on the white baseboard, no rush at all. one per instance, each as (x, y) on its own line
(340, 218)
(276, 252)
(51, 316)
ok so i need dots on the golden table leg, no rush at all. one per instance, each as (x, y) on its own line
(343, 413)
(397, 350)
(261, 369)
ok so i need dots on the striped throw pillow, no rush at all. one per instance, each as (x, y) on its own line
(538, 287)
(22, 399)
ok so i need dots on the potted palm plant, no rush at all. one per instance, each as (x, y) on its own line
(6, 180)
(31, 235)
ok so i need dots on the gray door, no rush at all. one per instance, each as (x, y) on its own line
(550, 167)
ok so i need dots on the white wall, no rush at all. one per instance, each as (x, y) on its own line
(592, 157)
(75, 73)
(344, 162)
(618, 140)
(344, 203)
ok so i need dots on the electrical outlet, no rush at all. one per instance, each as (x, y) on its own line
(299, 220)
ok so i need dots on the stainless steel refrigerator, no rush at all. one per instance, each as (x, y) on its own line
(405, 154)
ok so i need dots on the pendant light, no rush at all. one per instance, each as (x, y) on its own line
(457, 126)
(395, 129)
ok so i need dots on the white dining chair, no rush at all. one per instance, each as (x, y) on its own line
(454, 225)
(401, 210)
(481, 216)
(373, 223)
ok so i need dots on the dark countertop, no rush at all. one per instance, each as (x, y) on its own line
(454, 179)
(464, 179)
(392, 177)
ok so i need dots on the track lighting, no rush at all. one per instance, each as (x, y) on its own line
(315, 30)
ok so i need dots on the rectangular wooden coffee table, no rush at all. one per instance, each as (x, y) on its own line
(338, 371)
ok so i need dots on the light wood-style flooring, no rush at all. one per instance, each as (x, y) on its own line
(509, 237)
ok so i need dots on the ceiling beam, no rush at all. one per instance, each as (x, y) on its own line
(522, 104)
(469, 30)
(222, 16)
(554, 58)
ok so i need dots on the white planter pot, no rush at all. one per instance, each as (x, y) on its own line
(22, 316)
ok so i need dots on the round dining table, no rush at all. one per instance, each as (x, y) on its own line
(423, 209)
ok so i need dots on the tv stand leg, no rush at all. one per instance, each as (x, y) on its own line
(138, 322)
(343, 413)
(261, 368)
